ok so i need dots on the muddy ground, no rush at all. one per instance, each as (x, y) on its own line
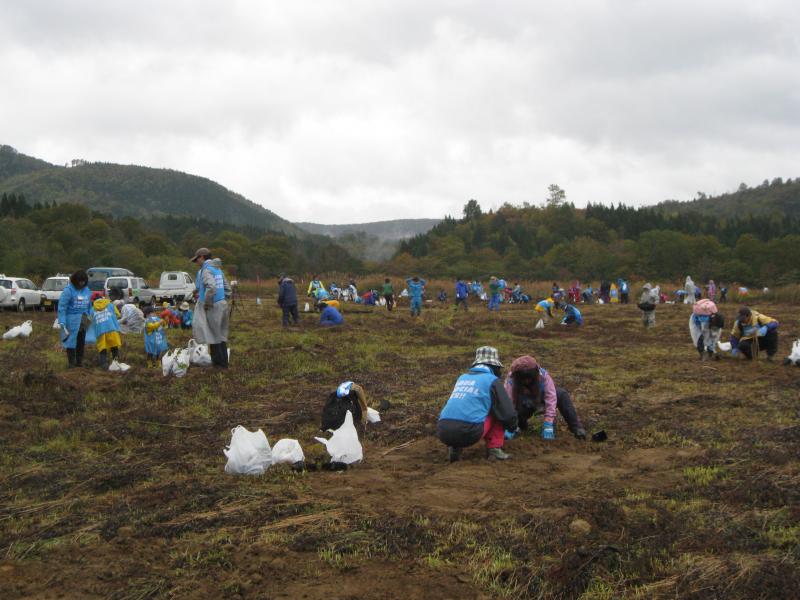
(112, 486)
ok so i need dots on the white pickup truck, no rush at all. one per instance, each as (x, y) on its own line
(175, 285)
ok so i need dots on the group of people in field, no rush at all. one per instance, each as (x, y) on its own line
(86, 317)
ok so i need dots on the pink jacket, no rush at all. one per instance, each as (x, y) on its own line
(547, 388)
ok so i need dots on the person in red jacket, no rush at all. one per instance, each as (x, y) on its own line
(169, 316)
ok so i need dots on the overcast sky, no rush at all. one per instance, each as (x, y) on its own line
(340, 112)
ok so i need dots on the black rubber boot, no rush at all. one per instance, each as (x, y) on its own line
(115, 353)
(71, 358)
(223, 354)
(79, 355)
(102, 360)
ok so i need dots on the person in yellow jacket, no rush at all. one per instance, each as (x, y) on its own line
(104, 317)
(753, 332)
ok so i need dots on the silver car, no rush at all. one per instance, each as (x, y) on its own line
(19, 293)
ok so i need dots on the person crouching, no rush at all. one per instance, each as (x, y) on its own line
(478, 408)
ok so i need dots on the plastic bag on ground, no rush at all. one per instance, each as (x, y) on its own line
(168, 362)
(117, 366)
(794, 357)
(287, 451)
(343, 445)
(724, 346)
(56, 325)
(23, 330)
(26, 328)
(539, 324)
(373, 416)
(182, 361)
(248, 453)
(307, 307)
(198, 354)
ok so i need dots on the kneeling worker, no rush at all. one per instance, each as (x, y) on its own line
(478, 408)
(330, 317)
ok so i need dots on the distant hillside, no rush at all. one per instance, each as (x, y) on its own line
(397, 229)
(128, 190)
(779, 197)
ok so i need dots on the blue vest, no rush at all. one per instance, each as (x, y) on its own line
(471, 399)
(77, 301)
(219, 282)
(105, 321)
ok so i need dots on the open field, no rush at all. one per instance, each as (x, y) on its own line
(113, 486)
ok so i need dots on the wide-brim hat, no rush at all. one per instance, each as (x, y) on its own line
(200, 253)
(184, 305)
(487, 355)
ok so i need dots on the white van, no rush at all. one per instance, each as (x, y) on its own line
(175, 285)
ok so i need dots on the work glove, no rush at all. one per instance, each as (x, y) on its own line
(762, 331)
(548, 431)
(735, 352)
(510, 434)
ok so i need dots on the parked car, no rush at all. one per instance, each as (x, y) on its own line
(98, 276)
(130, 288)
(176, 286)
(19, 293)
(52, 289)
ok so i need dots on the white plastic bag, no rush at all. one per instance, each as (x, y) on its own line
(373, 416)
(307, 307)
(795, 355)
(117, 366)
(198, 354)
(23, 330)
(539, 324)
(26, 328)
(168, 362)
(287, 451)
(724, 346)
(56, 324)
(343, 445)
(182, 361)
(248, 453)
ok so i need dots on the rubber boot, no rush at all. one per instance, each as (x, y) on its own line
(453, 454)
(102, 360)
(115, 353)
(79, 355)
(71, 358)
(223, 354)
(497, 454)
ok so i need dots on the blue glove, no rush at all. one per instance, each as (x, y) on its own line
(735, 352)
(548, 431)
(762, 331)
(510, 434)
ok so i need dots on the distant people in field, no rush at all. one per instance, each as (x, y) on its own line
(624, 291)
(723, 294)
(479, 408)
(613, 294)
(533, 392)
(211, 317)
(495, 291)
(416, 288)
(572, 316)
(106, 331)
(462, 293)
(330, 315)
(705, 327)
(131, 318)
(647, 304)
(186, 314)
(605, 292)
(711, 289)
(73, 317)
(546, 309)
(753, 333)
(287, 301)
(691, 291)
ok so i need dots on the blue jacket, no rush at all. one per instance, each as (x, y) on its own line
(186, 317)
(72, 305)
(104, 321)
(571, 311)
(287, 293)
(622, 285)
(219, 283)
(415, 288)
(462, 291)
(331, 316)
(471, 399)
(156, 342)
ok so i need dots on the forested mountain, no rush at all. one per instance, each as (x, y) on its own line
(129, 190)
(41, 240)
(776, 197)
(560, 241)
(396, 229)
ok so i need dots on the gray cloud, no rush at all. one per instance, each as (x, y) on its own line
(357, 111)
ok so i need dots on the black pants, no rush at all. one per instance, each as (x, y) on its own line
(75, 355)
(462, 301)
(290, 311)
(219, 354)
(767, 343)
(623, 297)
(389, 301)
(528, 408)
(458, 434)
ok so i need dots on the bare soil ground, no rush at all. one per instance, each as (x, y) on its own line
(112, 486)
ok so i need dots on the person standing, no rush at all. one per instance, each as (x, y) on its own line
(388, 294)
(624, 290)
(647, 304)
(691, 291)
(211, 319)
(287, 300)
(462, 293)
(73, 317)
(416, 287)
(494, 294)
(478, 409)
(712, 290)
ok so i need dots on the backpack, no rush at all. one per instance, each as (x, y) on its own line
(335, 410)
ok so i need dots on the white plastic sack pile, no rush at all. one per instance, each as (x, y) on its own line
(167, 361)
(176, 362)
(198, 354)
(287, 452)
(118, 367)
(343, 445)
(248, 453)
(23, 330)
(794, 357)
(539, 324)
